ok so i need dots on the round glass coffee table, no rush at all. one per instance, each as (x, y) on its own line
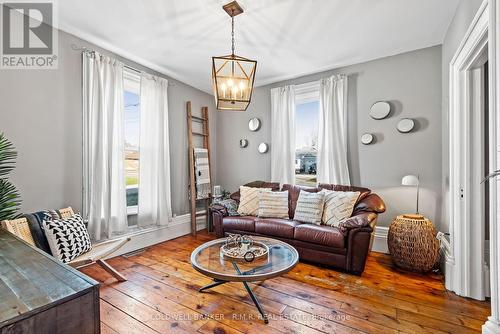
(208, 260)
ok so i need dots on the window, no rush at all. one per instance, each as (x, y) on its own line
(131, 96)
(306, 133)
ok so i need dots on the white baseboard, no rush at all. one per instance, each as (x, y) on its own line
(379, 244)
(491, 326)
(180, 225)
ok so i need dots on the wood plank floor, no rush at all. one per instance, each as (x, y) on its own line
(161, 296)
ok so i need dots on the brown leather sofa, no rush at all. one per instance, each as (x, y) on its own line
(345, 247)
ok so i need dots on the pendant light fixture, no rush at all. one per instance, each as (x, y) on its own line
(232, 75)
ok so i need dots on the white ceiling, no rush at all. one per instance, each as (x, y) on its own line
(288, 38)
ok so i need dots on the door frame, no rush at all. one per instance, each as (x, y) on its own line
(467, 250)
(466, 239)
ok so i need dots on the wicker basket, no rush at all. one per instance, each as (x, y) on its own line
(412, 243)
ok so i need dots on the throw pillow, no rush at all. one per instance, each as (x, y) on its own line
(230, 205)
(338, 206)
(273, 204)
(249, 200)
(68, 238)
(309, 207)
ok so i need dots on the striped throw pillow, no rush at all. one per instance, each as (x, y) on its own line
(273, 204)
(249, 200)
(338, 206)
(309, 207)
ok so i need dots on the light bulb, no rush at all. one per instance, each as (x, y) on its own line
(223, 87)
(230, 82)
(242, 88)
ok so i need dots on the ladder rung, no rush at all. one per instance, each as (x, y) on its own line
(199, 119)
(200, 134)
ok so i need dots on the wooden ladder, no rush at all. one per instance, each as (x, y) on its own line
(205, 135)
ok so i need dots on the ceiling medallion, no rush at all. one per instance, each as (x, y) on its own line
(233, 76)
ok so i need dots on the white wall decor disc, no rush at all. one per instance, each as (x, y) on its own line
(263, 148)
(254, 124)
(405, 125)
(380, 110)
(367, 138)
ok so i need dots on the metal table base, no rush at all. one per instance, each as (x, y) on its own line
(247, 287)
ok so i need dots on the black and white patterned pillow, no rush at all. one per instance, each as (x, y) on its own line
(68, 238)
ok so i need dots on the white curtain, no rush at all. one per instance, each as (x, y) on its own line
(154, 158)
(283, 134)
(105, 202)
(332, 164)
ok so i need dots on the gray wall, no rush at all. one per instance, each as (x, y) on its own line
(410, 81)
(456, 31)
(41, 114)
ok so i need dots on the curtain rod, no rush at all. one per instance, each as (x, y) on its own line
(85, 49)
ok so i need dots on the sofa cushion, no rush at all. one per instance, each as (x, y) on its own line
(320, 234)
(338, 206)
(364, 192)
(309, 207)
(242, 223)
(293, 196)
(249, 201)
(276, 227)
(275, 186)
(273, 204)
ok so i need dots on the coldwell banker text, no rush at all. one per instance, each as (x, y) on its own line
(29, 40)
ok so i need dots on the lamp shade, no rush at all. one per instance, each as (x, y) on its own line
(410, 180)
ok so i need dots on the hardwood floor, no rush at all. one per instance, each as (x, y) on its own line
(161, 296)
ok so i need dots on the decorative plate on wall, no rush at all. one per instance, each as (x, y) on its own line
(254, 124)
(263, 148)
(405, 125)
(366, 138)
(380, 110)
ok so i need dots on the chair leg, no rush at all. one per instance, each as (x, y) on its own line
(111, 270)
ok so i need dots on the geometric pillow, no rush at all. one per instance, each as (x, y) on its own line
(309, 207)
(68, 238)
(338, 206)
(273, 204)
(249, 200)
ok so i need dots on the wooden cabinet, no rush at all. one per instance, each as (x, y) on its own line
(39, 294)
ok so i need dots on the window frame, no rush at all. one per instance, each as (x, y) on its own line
(132, 83)
(306, 93)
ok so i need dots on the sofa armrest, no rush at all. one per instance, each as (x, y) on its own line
(362, 220)
(358, 230)
(371, 203)
(219, 209)
(218, 213)
(358, 246)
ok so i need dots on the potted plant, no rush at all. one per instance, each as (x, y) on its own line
(10, 200)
